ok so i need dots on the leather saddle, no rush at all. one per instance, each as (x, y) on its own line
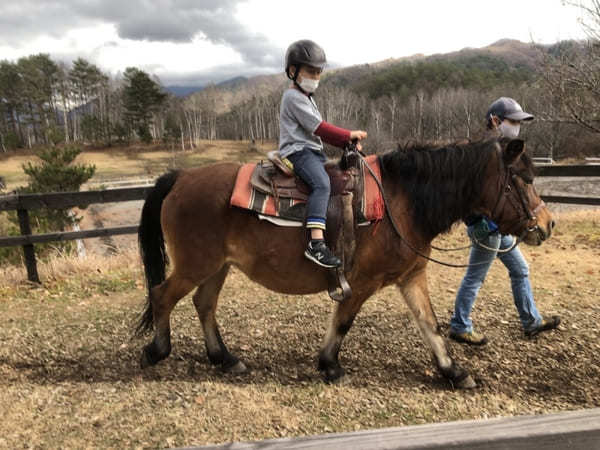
(276, 178)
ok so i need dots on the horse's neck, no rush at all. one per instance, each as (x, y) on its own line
(440, 206)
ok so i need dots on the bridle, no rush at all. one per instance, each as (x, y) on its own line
(525, 214)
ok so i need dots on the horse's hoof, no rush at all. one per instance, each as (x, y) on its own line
(236, 369)
(466, 383)
(333, 374)
(144, 361)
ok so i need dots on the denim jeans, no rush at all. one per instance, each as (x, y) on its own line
(309, 166)
(518, 271)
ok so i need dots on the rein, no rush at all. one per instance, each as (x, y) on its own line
(504, 190)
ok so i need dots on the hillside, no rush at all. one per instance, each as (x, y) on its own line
(503, 61)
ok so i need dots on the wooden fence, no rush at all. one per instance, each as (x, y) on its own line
(574, 430)
(23, 203)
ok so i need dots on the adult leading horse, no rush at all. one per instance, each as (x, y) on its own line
(428, 189)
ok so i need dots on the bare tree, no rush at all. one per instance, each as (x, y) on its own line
(572, 73)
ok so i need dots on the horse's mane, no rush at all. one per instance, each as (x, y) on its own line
(442, 182)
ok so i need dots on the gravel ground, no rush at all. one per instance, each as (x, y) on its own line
(70, 378)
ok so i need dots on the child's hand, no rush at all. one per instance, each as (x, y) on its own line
(358, 134)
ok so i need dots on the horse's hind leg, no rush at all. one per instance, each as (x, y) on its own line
(416, 295)
(205, 301)
(163, 298)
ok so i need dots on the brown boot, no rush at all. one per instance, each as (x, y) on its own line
(469, 337)
(547, 324)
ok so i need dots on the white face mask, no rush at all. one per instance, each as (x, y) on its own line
(309, 85)
(509, 130)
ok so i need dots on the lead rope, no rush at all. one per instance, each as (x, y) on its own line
(479, 244)
(408, 244)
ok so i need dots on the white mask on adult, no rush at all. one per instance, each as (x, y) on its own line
(309, 85)
(509, 130)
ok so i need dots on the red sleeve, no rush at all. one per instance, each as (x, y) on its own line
(333, 135)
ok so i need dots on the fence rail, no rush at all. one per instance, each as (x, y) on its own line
(22, 203)
(573, 430)
(542, 160)
(592, 161)
(63, 200)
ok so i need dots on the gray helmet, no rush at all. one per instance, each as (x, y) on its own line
(304, 52)
(507, 108)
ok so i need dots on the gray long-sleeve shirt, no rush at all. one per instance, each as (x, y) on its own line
(298, 120)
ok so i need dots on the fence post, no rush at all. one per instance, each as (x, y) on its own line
(28, 250)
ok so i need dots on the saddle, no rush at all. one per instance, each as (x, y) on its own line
(276, 179)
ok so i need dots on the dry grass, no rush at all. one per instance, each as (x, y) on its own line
(131, 162)
(70, 378)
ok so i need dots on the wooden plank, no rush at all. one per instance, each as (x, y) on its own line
(28, 250)
(64, 200)
(571, 200)
(542, 160)
(65, 236)
(568, 171)
(575, 430)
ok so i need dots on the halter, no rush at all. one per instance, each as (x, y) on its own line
(505, 190)
(525, 214)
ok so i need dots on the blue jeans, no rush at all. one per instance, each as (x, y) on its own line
(471, 283)
(309, 166)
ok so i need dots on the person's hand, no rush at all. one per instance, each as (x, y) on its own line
(358, 134)
(483, 228)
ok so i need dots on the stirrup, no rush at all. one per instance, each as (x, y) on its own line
(338, 293)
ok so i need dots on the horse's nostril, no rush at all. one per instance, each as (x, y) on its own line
(552, 224)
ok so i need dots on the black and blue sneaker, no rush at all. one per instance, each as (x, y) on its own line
(318, 253)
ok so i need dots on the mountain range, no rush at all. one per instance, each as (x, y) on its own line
(503, 61)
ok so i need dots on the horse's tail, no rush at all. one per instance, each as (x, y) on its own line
(152, 244)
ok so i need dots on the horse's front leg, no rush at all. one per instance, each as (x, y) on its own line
(416, 294)
(340, 324)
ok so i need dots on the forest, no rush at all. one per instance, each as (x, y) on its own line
(440, 97)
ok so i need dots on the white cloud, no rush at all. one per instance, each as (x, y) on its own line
(180, 41)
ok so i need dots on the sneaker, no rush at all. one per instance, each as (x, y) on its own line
(318, 253)
(547, 324)
(468, 337)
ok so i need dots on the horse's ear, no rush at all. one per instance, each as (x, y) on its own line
(513, 150)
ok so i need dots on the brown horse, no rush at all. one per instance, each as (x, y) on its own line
(428, 189)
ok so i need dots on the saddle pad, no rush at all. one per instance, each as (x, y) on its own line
(245, 196)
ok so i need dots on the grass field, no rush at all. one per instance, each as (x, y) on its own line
(69, 370)
(131, 162)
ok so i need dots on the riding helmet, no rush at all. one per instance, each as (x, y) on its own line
(304, 52)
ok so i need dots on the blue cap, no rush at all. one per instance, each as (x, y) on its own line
(507, 108)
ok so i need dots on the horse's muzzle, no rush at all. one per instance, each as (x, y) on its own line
(538, 234)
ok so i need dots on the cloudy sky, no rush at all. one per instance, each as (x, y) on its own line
(194, 42)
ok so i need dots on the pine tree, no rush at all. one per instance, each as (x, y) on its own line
(141, 98)
(56, 173)
(39, 74)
